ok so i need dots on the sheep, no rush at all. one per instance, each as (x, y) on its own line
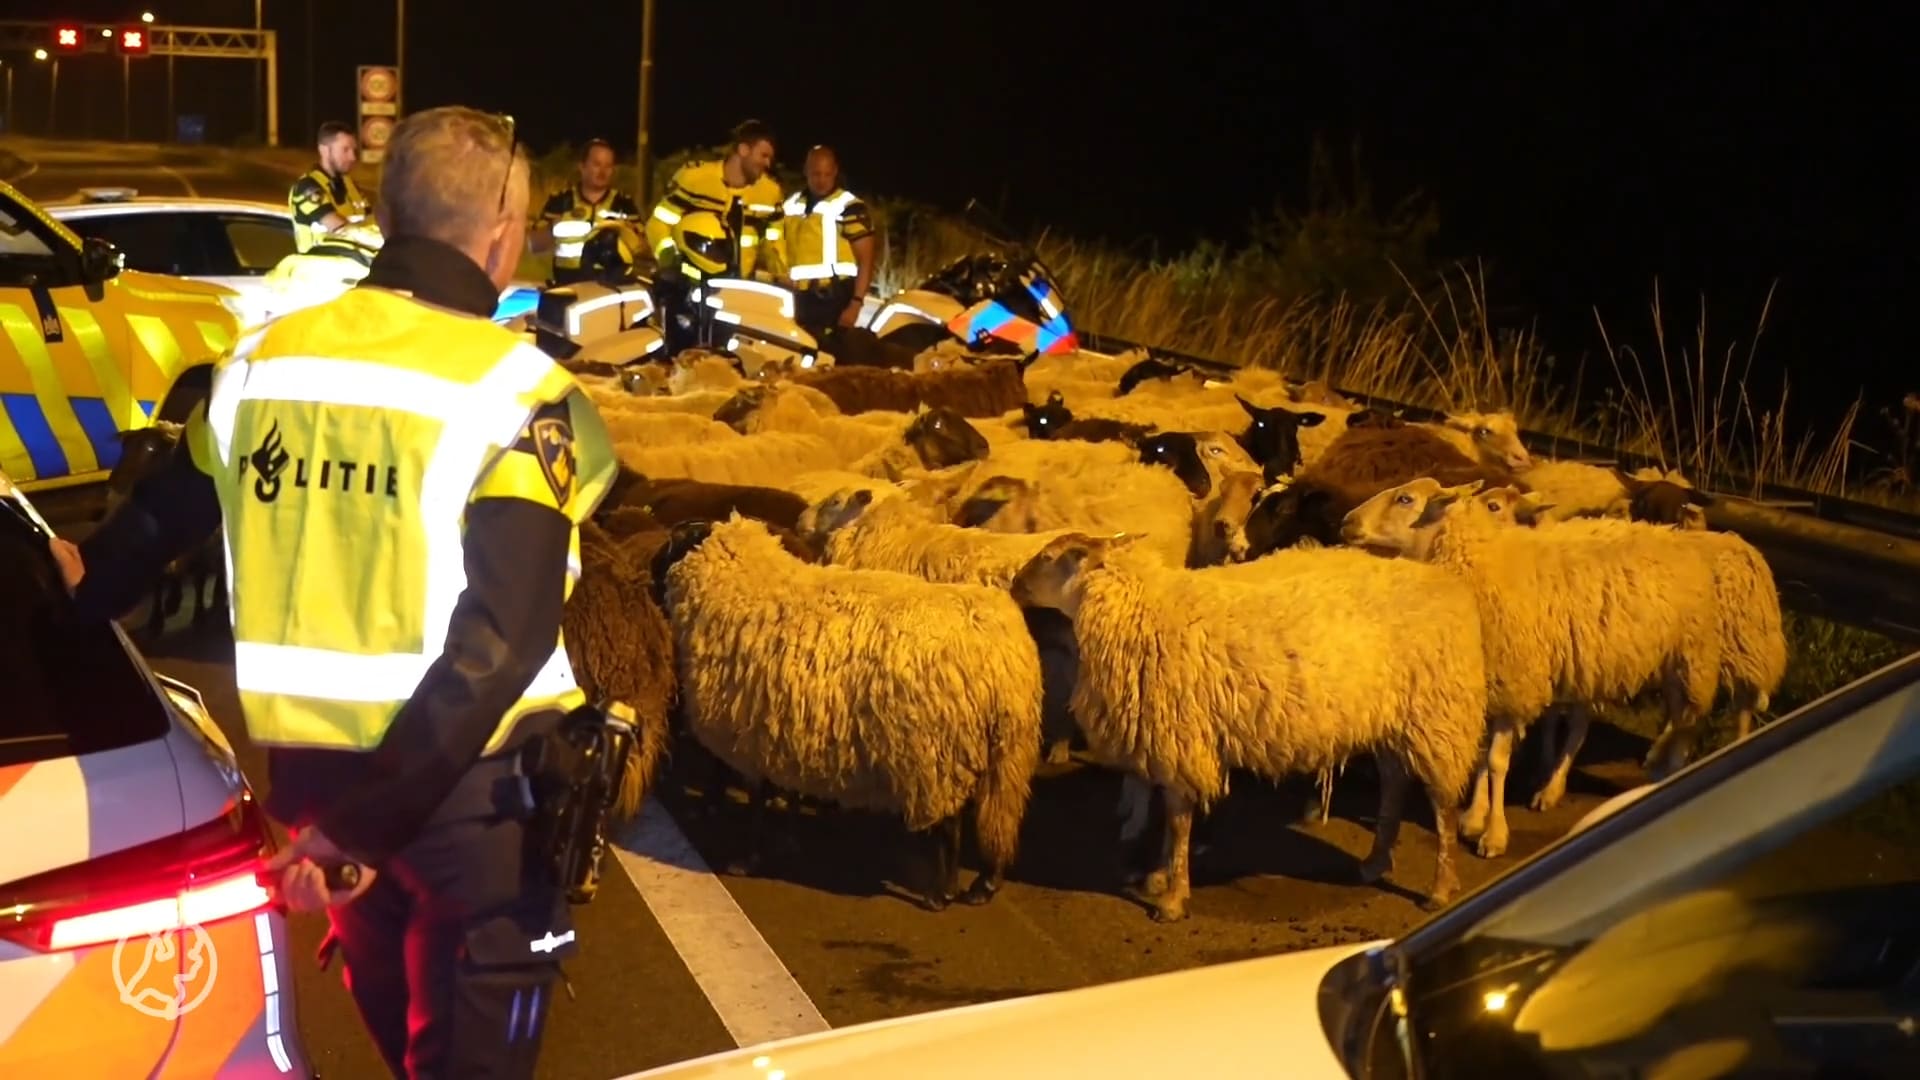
(1358, 465)
(1153, 368)
(1285, 665)
(1567, 617)
(809, 676)
(672, 500)
(1663, 498)
(749, 459)
(1272, 437)
(619, 643)
(1219, 525)
(698, 369)
(657, 428)
(1753, 643)
(1492, 437)
(142, 452)
(1054, 420)
(1096, 497)
(937, 438)
(775, 407)
(703, 402)
(1318, 392)
(1199, 459)
(903, 536)
(990, 389)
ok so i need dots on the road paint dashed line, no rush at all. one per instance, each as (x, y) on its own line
(751, 991)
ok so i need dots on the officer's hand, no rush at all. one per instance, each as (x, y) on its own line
(303, 884)
(67, 554)
(851, 316)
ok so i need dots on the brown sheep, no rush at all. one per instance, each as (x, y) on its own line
(672, 500)
(992, 389)
(621, 647)
(1359, 464)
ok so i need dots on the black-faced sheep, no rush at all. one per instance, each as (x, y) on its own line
(1054, 420)
(1153, 368)
(1272, 437)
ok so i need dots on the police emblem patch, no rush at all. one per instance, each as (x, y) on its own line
(553, 447)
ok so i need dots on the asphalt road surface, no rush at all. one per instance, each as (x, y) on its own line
(58, 168)
(677, 961)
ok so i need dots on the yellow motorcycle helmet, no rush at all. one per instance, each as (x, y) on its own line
(703, 242)
(609, 252)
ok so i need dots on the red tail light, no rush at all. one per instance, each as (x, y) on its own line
(202, 875)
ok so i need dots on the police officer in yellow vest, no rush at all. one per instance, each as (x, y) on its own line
(401, 483)
(325, 197)
(828, 243)
(735, 197)
(572, 213)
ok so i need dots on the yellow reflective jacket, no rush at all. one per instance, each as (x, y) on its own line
(344, 455)
(703, 186)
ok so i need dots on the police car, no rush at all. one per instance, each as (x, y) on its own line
(90, 349)
(230, 242)
(135, 939)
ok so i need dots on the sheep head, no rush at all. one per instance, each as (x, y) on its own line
(1048, 579)
(740, 406)
(943, 438)
(1496, 437)
(835, 512)
(1661, 499)
(1043, 421)
(1225, 517)
(682, 540)
(1394, 520)
(994, 496)
(1273, 435)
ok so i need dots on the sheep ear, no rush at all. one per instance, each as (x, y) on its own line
(862, 497)
(1056, 398)
(1633, 484)
(1461, 491)
(1252, 409)
(1310, 419)
(1436, 508)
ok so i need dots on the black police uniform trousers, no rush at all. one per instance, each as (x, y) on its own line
(818, 309)
(452, 954)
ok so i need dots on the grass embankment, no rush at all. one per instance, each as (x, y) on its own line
(1346, 291)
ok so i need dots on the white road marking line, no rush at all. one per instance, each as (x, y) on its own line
(192, 192)
(753, 993)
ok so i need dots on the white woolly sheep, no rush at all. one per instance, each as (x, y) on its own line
(1282, 666)
(1566, 617)
(820, 686)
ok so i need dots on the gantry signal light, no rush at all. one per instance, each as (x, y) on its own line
(133, 41)
(66, 38)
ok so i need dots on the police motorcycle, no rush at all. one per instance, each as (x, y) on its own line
(611, 319)
(752, 321)
(606, 319)
(1003, 299)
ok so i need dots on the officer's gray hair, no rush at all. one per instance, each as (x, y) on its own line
(443, 175)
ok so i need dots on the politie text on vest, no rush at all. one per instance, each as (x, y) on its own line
(270, 459)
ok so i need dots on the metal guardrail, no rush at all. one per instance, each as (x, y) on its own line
(1839, 559)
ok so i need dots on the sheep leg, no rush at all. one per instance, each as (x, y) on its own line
(1446, 876)
(1171, 904)
(1550, 794)
(1386, 827)
(747, 861)
(1326, 798)
(1493, 842)
(1687, 699)
(1473, 822)
(946, 865)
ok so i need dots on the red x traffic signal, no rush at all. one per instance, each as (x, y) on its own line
(133, 41)
(66, 38)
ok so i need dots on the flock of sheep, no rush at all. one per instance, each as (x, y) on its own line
(898, 591)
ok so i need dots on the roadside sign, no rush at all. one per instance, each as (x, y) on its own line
(379, 92)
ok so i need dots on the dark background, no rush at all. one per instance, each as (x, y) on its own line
(1581, 149)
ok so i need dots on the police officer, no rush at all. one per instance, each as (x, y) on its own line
(744, 203)
(827, 238)
(325, 197)
(401, 482)
(587, 203)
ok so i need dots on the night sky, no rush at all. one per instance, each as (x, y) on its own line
(1580, 148)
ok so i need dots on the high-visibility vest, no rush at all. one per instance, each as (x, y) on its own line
(703, 186)
(573, 217)
(817, 249)
(345, 441)
(355, 205)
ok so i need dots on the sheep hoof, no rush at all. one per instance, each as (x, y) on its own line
(983, 889)
(1547, 798)
(1435, 902)
(1492, 846)
(1168, 911)
(933, 902)
(1060, 753)
(1372, 870)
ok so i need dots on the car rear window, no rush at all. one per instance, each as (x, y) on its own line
(66, 687)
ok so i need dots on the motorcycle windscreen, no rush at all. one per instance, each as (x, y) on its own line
(989, 319)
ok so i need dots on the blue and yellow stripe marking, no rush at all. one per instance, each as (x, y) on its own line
(53, 409)
(29, 449)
